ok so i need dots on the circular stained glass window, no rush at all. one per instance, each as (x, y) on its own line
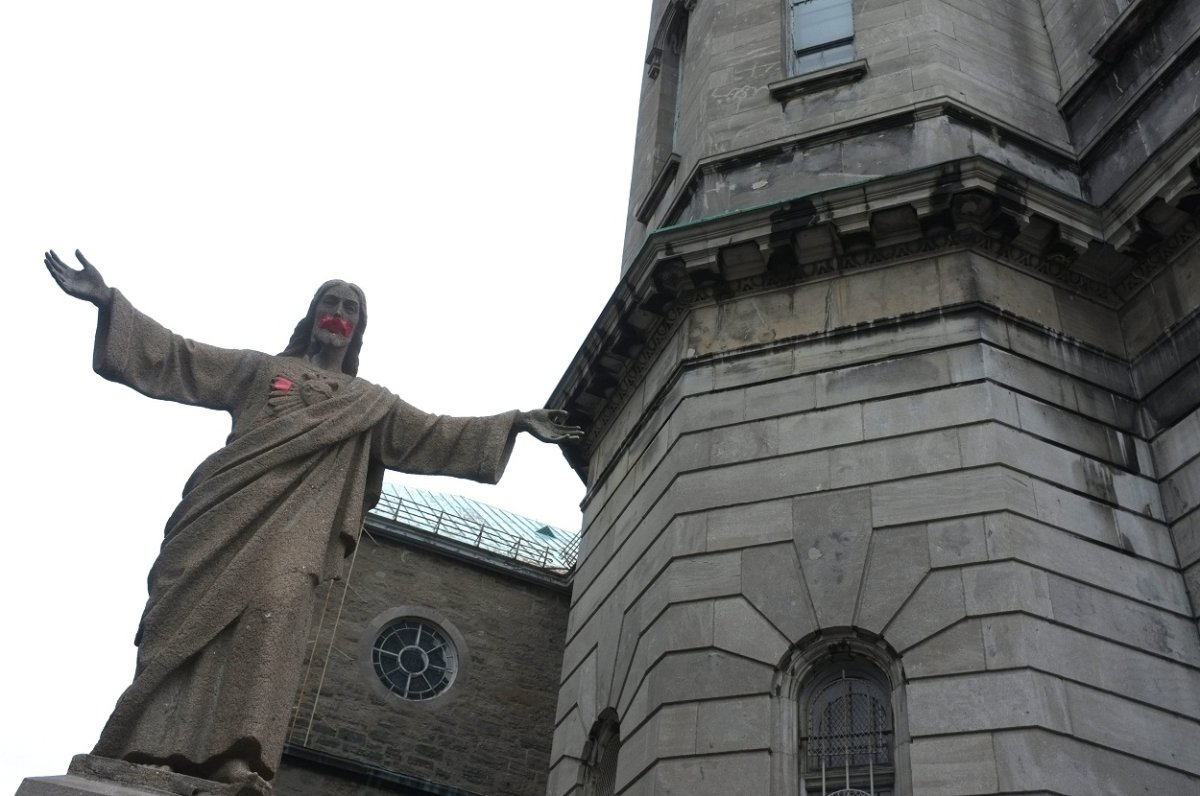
(414, 659)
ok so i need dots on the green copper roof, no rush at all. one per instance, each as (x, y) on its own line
(479, 525)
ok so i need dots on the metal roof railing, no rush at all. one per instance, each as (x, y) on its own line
(475, 533)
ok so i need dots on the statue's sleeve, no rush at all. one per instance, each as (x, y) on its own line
(413, 441)
(135, 350)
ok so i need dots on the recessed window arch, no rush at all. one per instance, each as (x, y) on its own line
(665, 67)
(666, 64)
(841, 727)
(600, 756)
(847, 735)
(821, 33)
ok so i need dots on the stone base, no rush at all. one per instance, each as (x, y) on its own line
(89, 775)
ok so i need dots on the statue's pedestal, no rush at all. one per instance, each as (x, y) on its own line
(99, 776)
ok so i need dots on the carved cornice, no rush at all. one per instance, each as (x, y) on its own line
(974, 204)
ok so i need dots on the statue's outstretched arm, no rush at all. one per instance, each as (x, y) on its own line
(86, 284)
(548, 425)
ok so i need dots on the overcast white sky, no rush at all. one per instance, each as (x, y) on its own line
(467, 163)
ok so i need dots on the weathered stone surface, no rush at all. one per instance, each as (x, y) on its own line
(67, 785)
(833, 531)
(1016, 640)
(885, 459)
(752, 481)
(887, 377)
(89, 775)
(957, 649)
(1177, 445)
(739, 628)
(943, 495)
(745, 441)
(670, 732)
(820, 429)
(1181, 490)
(898, 561)
(1006, 586)
(698, 675)
(936, 604)
(717, 775)
(1008, 421)
(783, 397)
(1117, 618)
(734, 725)
(957, 541)
(681, 626)
(1036, 759)
(953, 765)
(1114, 722)
(989, 701)
(936, 409)
(1011, 536)
(773, 582)
(747, 526)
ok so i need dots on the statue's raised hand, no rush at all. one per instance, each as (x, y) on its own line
(86, 284)
(549, 425)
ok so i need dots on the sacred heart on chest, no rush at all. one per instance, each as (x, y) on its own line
(291, 392)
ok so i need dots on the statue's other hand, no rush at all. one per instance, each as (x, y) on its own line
(549, 425)
(86, 284)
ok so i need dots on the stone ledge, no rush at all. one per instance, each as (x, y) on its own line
(809, 82)
(89, 775)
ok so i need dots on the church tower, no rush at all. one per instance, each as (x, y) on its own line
(894, 414)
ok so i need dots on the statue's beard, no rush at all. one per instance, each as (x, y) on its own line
(339, 326)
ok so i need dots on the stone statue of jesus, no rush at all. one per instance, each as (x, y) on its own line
(263, 520)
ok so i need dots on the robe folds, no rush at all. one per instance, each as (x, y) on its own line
(262, 521)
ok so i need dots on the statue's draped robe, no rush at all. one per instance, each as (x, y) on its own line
(261, 523)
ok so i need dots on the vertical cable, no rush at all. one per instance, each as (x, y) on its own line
(332, 635)
(312, 657)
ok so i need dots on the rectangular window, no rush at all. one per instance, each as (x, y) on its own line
(822, 34)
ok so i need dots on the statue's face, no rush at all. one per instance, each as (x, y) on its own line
(338, 313)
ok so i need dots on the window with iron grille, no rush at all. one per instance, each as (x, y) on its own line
(847, 736)
(601, 776)
(414, 659)
(822, 34)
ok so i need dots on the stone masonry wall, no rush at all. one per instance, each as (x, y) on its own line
(490, 732)
(993, 58)
(947, 453)
(1074, 27)
(1163, 329)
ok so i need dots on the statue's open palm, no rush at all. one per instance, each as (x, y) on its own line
(86, 284)
(549, 425)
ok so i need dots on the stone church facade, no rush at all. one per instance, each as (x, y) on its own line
(893, 441)
(894, 417)
(432, 665)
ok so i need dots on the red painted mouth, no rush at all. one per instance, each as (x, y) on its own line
(338, 326)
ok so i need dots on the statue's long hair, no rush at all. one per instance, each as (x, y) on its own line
(298, 345)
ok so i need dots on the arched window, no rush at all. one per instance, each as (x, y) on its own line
(822, 34)
(840, 727)
(604, 746)
(847, 735)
